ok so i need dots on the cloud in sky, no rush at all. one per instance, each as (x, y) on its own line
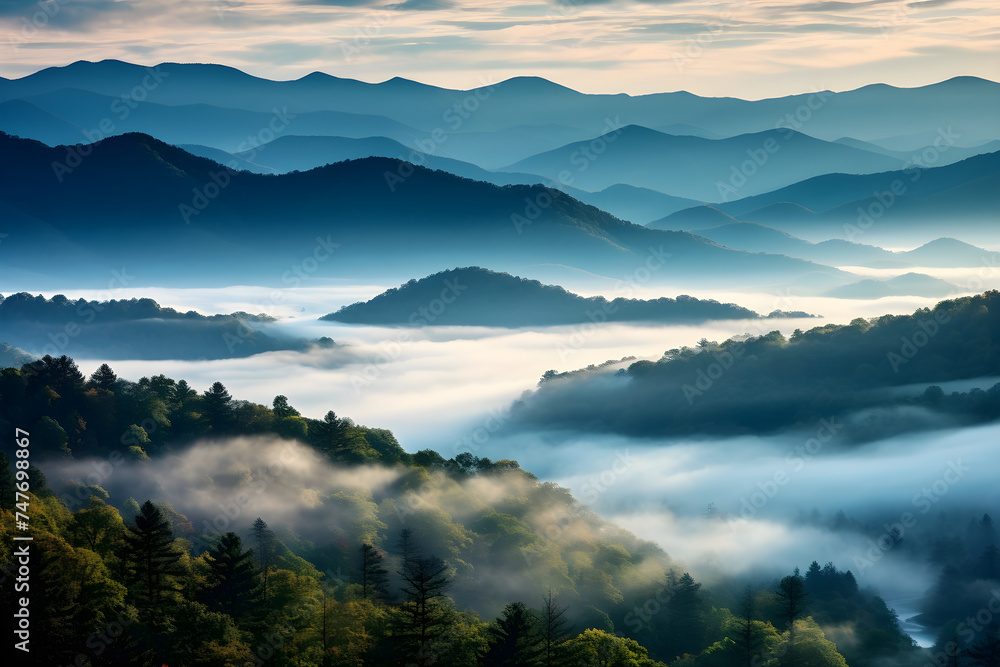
(742, 49)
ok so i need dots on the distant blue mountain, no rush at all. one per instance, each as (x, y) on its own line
(131, 193)
(967, 105)
(697, 168)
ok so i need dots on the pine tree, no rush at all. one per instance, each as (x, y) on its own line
(792, 591)
(374, 577)
(552, 628)
(264, 539)
(425, 580)
(104, 378)
(234, 583)
(685, 617)
(183, 392)
(514, 640)
(747, 639)
(986, 653)
(218, 411)
(330, 435)
(406, 546)
(282, 409)
(150, 555)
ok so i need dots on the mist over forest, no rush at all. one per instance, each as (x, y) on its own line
(340, 368)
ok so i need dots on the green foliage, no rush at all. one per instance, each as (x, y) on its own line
(764, 383)
(603, 649)
(234, 585)
(460, 534)
(152, 559)
(807, 646)
(514, 638)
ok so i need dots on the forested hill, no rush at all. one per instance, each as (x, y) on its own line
(176, 527)
(475, 296)
(135, 329)
(763, 383)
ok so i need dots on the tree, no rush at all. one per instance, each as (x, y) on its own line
(747, 639)
(183, 392)
(98, 527)
(150, 555)
(217, 409)
(807, 646)
(282, 409)
(685, 617)
(234, 583)
(514, 640)
(600, 648)
(374, 577)
(104, 378)
(552, 628)
(425, 580)
(987, 652)
(792, 591)
(59, 373)
(49, 431)
(406, 546)
(264, 539)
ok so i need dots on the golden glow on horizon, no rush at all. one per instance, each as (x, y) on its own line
(745, 49)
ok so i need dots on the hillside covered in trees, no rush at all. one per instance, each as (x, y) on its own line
(474, 296)
(135, 329)
(176, 527)
(765, 383)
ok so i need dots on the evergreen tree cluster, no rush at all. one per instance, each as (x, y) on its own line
(120, 584)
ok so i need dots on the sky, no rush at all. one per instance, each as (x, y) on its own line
(752, 50)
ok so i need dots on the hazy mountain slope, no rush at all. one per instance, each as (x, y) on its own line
(884, 207)
(638, 205)
(228, 159)
(910, 284)
(823, 193)
(944, 252)
(47, 117)
(697, 168)
(133, 190)
(966, 105)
